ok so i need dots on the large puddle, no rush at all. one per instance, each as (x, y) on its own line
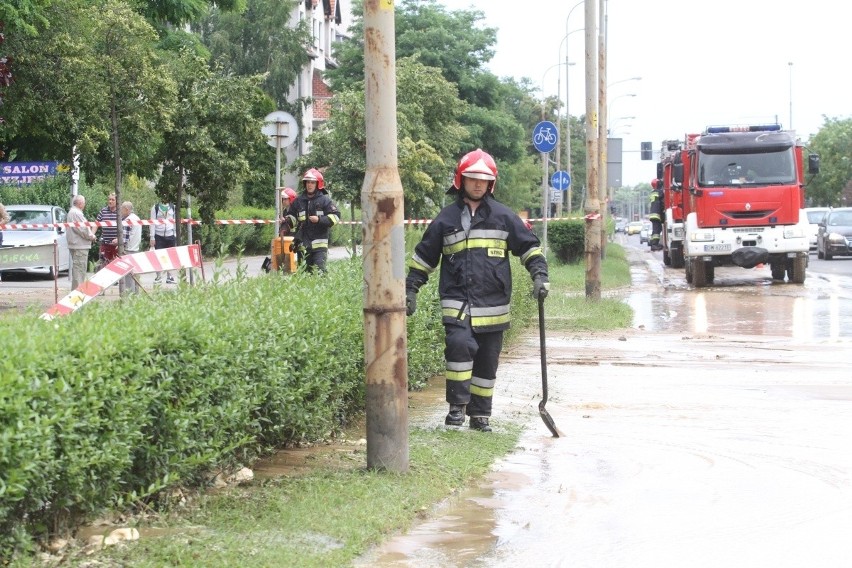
(714, 433)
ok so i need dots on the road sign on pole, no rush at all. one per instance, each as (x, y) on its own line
(545, 136)
(560, 180)
(281, 130)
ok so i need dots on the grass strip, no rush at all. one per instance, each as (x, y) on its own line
(327, 517)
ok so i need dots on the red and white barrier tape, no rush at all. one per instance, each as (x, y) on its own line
(138, 263)
(143, 222)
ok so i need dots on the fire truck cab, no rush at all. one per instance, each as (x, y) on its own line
(743, 193)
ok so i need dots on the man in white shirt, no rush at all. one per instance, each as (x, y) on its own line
(163, 234)
(132, 239)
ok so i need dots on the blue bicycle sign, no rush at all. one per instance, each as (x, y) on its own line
(545, 136)
(560, 180)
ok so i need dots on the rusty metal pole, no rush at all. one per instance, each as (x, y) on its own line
(592, 206)
(603, 121)
(385, 342)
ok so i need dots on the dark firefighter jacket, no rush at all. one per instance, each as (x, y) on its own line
(476, 276)
(656, 205)
(312, 235)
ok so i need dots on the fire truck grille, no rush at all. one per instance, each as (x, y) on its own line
(748, 214)
(748, 229)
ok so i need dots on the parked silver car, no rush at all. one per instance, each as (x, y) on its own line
(38, 214)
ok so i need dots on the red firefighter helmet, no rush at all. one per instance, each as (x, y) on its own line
(313, 174)
(288, 193)
(478, 165)
(656, 184)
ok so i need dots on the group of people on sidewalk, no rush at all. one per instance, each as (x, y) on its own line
(80, 238)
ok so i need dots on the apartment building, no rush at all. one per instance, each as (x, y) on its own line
(329, 21)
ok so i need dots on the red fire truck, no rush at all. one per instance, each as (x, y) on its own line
(672, 236)
(742, 190)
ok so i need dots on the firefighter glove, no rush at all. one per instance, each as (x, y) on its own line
(410, 302)
(540, 287)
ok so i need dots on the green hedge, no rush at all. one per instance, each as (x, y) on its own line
(112, 404)
(567, 239)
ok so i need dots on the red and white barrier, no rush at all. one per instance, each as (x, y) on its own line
(138, 263)
(143, 222)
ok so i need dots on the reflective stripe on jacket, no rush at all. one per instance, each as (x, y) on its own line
(476, 275)
(312, 235)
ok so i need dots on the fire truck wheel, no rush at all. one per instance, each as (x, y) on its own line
(677, 258)
(699, 273)
(796, 269)
(778, 270)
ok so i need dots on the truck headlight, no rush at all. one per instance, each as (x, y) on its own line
(793, 233)
(678, 232)
(699, 236)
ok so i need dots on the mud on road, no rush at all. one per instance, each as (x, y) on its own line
(684, 445)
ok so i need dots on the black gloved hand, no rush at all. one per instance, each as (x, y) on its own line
(410, 302)
(540, 287)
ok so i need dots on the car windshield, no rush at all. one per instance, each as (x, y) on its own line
(764, 168)
(31, 217)
(838, 218)
(815, 217)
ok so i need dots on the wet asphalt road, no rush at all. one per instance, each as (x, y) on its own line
(714, 432)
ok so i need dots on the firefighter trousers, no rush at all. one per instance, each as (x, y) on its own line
(472, 360)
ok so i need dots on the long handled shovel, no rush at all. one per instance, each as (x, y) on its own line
(548, 420)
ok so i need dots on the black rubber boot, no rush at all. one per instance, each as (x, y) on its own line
(456, 415)
(480, 423)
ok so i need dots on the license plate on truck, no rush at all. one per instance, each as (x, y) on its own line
(717, 248)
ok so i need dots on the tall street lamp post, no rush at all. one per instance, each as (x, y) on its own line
(567, 113)
(790, 66)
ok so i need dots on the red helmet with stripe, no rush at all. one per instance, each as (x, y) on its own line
(289, 194)
(478, 165)
(313, 174)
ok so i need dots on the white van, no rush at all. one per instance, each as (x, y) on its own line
(815, 215)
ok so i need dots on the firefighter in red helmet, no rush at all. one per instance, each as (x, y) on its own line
(471, 240)
(657, 214)
(310, 216)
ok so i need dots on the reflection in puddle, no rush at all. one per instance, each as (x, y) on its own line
(785, 310)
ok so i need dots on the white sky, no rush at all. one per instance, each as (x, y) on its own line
(701, 63)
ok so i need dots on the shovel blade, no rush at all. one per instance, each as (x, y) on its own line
(548, 421)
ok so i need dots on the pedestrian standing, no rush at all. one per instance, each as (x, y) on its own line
(132, 239)
(311, 216)
(79, 240)
(471, 240)
(108, 245)
(163, 233)
(4, 218)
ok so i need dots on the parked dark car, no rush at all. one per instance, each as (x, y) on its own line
(834, 236)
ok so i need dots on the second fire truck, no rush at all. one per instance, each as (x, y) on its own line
(741, 190)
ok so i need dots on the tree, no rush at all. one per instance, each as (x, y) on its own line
(176, 13)
(53, 103)
(429, 134)
(259, 40)
(832, 143)
(23, 16)
(139, 92)
(215, 124)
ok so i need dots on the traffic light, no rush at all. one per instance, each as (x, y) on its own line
(647, 153)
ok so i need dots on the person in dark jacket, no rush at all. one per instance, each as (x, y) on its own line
(471, 240)
(310, 217)
(656, 214)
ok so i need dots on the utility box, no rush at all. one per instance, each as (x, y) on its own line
(282, 257)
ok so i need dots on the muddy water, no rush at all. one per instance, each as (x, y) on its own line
(716, 432)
